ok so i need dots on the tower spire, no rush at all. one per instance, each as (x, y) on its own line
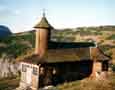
(44, 14)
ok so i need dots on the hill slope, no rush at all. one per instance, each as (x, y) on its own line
(21, 43)
(17, 44)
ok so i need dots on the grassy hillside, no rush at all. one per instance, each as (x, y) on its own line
(21, 43)
(104, 36)
(18, 45)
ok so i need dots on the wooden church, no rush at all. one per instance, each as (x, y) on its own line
(54, 62)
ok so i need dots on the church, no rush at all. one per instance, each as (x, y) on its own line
(54, 63)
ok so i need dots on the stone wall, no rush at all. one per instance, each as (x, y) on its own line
(7, 67)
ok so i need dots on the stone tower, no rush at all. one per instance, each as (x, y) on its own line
(43, 30)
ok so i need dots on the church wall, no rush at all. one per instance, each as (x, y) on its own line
(29, 75)
(58, 73)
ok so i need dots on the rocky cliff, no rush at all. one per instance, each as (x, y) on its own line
(7, 67)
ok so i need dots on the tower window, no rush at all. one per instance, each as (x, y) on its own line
(35, 71)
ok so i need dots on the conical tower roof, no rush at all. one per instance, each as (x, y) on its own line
(43, 23)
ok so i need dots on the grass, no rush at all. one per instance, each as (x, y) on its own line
(9, 83)
(112, 37)
(88, 84)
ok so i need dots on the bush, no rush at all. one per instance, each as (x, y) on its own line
(113, 68)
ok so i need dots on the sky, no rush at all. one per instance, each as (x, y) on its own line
(22, 15)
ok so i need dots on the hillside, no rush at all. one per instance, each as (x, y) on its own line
(17, 44)
(103, 36)
(20, 44)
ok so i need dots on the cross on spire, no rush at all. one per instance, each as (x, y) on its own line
(44, 14)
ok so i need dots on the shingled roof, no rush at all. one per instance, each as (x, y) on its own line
(60, 55)
(68, 55)
(43, 24)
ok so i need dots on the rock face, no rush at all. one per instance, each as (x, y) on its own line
(7, 67)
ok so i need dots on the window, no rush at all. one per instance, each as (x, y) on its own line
(23, 68)
(105, 66)
(35, 71)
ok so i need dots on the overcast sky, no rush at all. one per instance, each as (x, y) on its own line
(22, 15)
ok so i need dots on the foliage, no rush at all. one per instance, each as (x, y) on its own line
(113, 67)
(112, 37)
(17, 44)
(106, 49)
